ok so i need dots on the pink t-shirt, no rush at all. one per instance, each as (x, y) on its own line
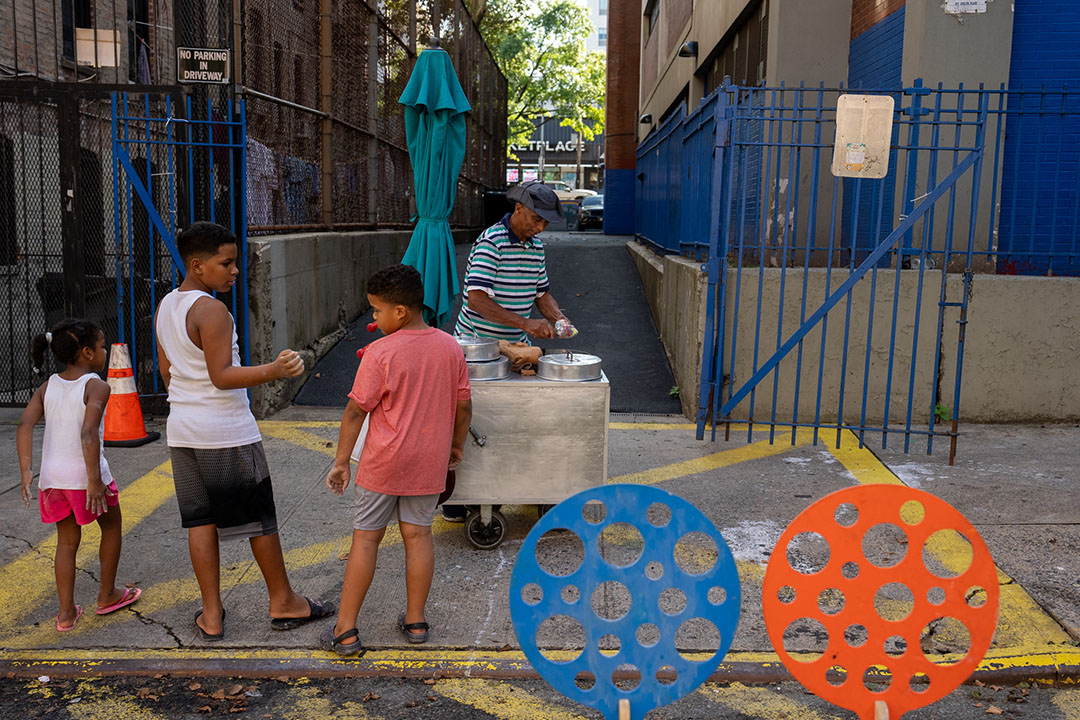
(409, 382)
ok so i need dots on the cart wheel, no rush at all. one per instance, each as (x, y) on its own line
(542, 510)
(485, 538)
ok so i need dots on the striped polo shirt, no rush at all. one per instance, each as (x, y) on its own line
(512, 272)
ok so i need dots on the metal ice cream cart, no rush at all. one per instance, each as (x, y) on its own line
(536, 439)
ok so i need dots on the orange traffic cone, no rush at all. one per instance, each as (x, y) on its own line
(123, 416)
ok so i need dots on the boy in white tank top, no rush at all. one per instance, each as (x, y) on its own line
(219, 467)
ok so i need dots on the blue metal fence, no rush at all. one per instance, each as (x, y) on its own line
(801, 264)
(175, 160)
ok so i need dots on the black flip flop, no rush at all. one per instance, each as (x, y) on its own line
(317, 611)
(335, 643)
(208, 636)
(407, 630)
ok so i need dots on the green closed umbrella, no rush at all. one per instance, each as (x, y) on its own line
(435, 108)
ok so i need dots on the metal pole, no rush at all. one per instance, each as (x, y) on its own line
(238, 49)
(373, 119)
(436, 23)
(326, 59)
(578, 181)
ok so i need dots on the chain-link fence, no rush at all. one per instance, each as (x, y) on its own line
(332, 155)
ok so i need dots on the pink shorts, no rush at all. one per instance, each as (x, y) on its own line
(56, 504)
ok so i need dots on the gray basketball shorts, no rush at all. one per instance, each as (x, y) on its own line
(374, 510)
(227, 487)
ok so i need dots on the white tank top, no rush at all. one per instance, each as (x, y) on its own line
(62, 464)
(200, 414)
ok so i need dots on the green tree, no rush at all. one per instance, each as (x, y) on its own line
(540, 47)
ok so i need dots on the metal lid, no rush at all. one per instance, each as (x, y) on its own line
(569, 366)
(478, 348)
(496, 369)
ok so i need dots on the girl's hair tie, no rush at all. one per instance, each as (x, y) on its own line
(48, 336)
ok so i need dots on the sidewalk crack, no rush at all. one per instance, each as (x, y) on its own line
(23, 540)
(147, 620)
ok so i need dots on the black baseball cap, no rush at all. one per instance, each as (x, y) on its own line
(539, 198)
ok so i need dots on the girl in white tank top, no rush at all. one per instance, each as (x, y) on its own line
(75, 485)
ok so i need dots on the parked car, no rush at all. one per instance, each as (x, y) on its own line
(592, 212)
(567, 192)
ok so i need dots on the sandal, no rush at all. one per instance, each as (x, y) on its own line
(335, 643)
(78, 614)
(316, 611)
(130, 596)
(407, 630)
(208, 636)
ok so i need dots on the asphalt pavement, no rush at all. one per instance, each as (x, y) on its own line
(597, 286)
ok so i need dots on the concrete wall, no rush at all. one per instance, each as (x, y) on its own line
(305, 289)
(676, 290)
(1020, 356)
(969, 49)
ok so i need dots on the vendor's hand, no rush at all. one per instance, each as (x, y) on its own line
(337, 479)
(96, 492)
(27, 478)
(456, 455)
(539, 328)
(288, 364)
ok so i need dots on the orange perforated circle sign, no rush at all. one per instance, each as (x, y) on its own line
(880, 593)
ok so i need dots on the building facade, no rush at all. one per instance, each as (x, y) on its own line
(555, 152)
(598, 14)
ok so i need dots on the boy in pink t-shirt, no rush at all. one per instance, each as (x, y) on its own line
(414, 384)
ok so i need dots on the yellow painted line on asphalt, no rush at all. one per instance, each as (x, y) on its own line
(295, 436)
(650, 426)
(416, 662)
(273, 426)
(503, 700)
(1022, 624)
(761, 703)
(114, 708)
(28, 580)
(170, 593)
(307, 703)
(724, 458)
(1068, 702)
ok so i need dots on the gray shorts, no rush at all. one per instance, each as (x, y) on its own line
(374, 511)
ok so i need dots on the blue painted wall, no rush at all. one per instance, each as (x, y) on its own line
(619, 188)
(1040, 207)
(874, 63)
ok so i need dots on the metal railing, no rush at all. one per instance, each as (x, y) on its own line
(1028, 223)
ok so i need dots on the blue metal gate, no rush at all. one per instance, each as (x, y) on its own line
(175, 161)
(839, 303)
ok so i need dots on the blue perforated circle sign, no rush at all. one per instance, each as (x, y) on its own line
(603, 606)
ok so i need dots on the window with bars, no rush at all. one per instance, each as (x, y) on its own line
(74, 14)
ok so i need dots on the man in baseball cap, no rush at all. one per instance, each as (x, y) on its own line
(507, 275)
(539, 198)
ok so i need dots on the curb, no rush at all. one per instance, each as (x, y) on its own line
(1060, 669)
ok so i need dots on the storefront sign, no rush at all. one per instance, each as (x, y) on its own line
(548, 146)
(511, 175)
(529, 175)
(202, 65)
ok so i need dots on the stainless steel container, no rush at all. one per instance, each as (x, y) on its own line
(567, 366)
(478, 348)
(496, 369)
